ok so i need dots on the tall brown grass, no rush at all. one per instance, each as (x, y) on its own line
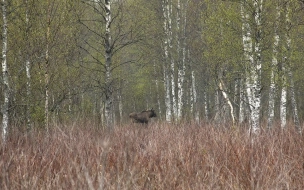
(160, 156)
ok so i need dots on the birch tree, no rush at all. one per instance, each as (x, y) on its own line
(181, 49)
(285, 62)
(274, 66)
(109, 34)
(287, 73)
(294, 104)
(193, 97)
(167, 69)
(27, 67)
(108, 65)
(6, 87)
(47, 63)
(174, 47)
(252, 55)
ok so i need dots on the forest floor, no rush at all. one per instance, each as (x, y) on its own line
(160, 156)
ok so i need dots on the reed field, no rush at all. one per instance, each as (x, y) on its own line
(158, 156)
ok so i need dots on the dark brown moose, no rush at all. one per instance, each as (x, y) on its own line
(142, 117)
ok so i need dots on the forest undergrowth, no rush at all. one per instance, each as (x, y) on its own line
(160, 156)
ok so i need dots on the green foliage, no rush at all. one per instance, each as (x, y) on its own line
(213, 42)
(38, 115)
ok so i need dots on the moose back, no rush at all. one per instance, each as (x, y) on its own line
(142, 117)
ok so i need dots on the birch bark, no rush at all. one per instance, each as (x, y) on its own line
(166, 67)
(181, 48)
(283, 100)
(294, 103)
(274, 65)
(247, 46)
(108, 74)
(206, 103)
(28, 70)
(242, 102)
(227, 99)
(285, 66)
(252, 54)
(171, 58)
(6, 88)
(194, 94)
(46, 69)
(288, 75)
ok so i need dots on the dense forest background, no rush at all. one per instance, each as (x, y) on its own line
(71, 60)
(225, 78)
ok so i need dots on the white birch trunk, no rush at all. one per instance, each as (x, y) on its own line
(166, 68)
(182, 57)
(180, 77)
(226, 97)
(69, 98)
(28, 72)
(46, 69)
(287, 71)
(194, 92)
(206, 105)
(247, 46)
(274, 65)
(167, 96)
(174, 99)
(294, 103)
(257, 67)
(108, 74)
(253, 59)
(242, 103)
(285, 65)
(6, 89)
(283, 104)
(292, 88)
(172, 61)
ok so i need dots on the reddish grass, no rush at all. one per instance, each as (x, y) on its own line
(161, 156)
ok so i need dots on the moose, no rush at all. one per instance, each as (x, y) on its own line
(142, 117)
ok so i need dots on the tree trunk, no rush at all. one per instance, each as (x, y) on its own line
(5, 76)
(120, 107)
(247, 46)
(157, 92)
(108, 74)
(294, 103)
(195, 109)
(167, 95)
(274, 65)
(171, 58)
(181, 50)
(227, 99)
(46, 74)
(285, 65)
(206, 105)
(252, 56)
(283, 100)
(166, 67)
(242, 109)
(28, 71)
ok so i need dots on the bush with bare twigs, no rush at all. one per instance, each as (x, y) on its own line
(162, 156)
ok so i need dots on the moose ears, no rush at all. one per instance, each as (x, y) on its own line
(152, 109)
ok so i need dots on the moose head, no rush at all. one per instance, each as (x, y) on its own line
(142, 117)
